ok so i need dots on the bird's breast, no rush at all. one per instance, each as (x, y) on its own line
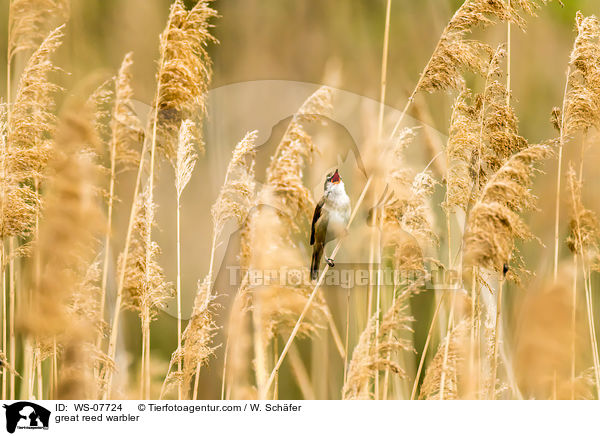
(338, 214)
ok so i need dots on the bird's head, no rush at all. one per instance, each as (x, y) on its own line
(333, 178)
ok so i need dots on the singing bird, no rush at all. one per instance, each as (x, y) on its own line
(329, 220)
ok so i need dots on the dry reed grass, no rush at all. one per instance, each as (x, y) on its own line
(60, 342)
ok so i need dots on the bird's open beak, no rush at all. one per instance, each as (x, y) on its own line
(336, 177)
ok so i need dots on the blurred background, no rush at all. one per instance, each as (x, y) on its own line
(303, 42)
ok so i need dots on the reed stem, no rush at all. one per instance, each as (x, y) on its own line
(497, 327)
(180, 383)
(573, 326)
(558, 174)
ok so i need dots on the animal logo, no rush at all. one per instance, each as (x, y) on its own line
(26, 415)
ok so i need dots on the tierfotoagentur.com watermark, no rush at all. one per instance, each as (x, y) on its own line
(346, 277)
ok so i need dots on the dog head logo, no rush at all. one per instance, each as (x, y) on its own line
(26, 415)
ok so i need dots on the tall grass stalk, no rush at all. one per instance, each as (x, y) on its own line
(574, 325)
(425, 349)
(561, 143)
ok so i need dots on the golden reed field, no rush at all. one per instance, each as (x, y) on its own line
(161, 163)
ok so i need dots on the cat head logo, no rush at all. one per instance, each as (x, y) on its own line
(26, 415)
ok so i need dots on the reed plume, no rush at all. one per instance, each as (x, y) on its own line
(237, 196)
(407, 226)
(184, 73)
(584, 229)
(404, 204)
(582, 109)
(186, 157)
(125, 127)
(373, 350)
(461, 152)
(494, 222)
(499, 138)
(447, 364)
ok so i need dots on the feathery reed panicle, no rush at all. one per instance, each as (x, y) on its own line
(186, 156)
(184, 73)
(146, 285)
(19, 202)
(460, 153)
(117, 121)
(31, 120)
(375, 351)
(531, 6)
(29, 20)
(98, 103)
(398, 201)
(237, 196)
(198, 336)
(448, 363)
(499, 136)
(182, 80)
(126, 128)
(584, 235)
(494, 222)
(408, 223)
(582, 109)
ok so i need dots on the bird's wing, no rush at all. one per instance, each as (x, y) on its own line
(316, 217)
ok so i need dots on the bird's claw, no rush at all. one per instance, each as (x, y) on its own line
(330, 262)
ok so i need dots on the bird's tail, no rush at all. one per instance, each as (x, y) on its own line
(316, 261)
